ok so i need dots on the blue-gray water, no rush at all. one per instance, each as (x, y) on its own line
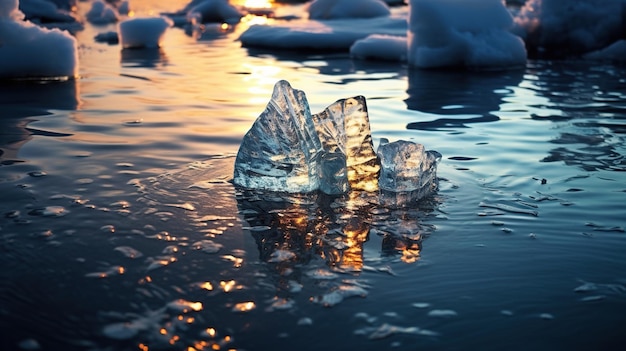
(119, 229)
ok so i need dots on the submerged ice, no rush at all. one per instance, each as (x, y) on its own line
(288, 149)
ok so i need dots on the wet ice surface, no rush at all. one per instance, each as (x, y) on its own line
(103, 200)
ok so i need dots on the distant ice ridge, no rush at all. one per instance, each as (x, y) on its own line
(30, 51)
(288, 149)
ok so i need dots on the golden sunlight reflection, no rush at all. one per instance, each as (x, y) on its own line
(260, 81)
(244, 306)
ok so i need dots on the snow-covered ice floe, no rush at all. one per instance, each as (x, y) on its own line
(470, 33)
(30, 51)
(561, 29)
(143, 32)
(322, 35)
(288, 149)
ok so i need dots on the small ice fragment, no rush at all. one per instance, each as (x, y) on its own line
(128, 251)
(281, 304)
(420, 304)
(207, 246)
(281, 256)
(294, 286)
(546, 316)
(408, 172)
(442, 313)
(305, 321)
(321, 274)
(386, 330)
(506, 312)
(336, 296)
(50, 211)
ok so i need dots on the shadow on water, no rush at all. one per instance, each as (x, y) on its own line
(20, 101)
(467, 97)
(589, 108)
(334, 64)
(143, 57)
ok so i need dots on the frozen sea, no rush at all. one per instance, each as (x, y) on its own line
(119, 229)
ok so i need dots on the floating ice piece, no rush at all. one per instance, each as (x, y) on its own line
(331, 35)
(30, 51)
(102, 13)
(143, 32)
(349, 161)
(212, 11)
(471, 33)
(45, 11)
(281, 151)
(557, 29)
(207, 246)
(289, 150)
(330, 9)
(380, 47)
(408, 172)
(336, 296)
(442, 313)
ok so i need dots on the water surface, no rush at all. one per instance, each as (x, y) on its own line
(120, 230)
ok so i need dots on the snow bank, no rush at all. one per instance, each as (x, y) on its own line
(462, 33)
(557, 28)
(30, 51)
(332, 9)
(331, 35)
(380, 47)
(143, 32)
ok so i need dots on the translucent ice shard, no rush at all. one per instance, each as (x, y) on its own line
(281, 151)
(344, 128)
(408, 172)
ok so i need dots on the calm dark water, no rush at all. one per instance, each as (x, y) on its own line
(119, 229)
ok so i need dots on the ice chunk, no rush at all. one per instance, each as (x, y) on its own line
(471, 33)
(332, 9)
(143, 32)
(408, 172)
(102, 13)
(30, 51)
(281, 151)
(289, 150)
(344, 128)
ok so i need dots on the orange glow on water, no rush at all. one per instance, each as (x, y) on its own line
(207, 286)
(143, 347)
(242, 307)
